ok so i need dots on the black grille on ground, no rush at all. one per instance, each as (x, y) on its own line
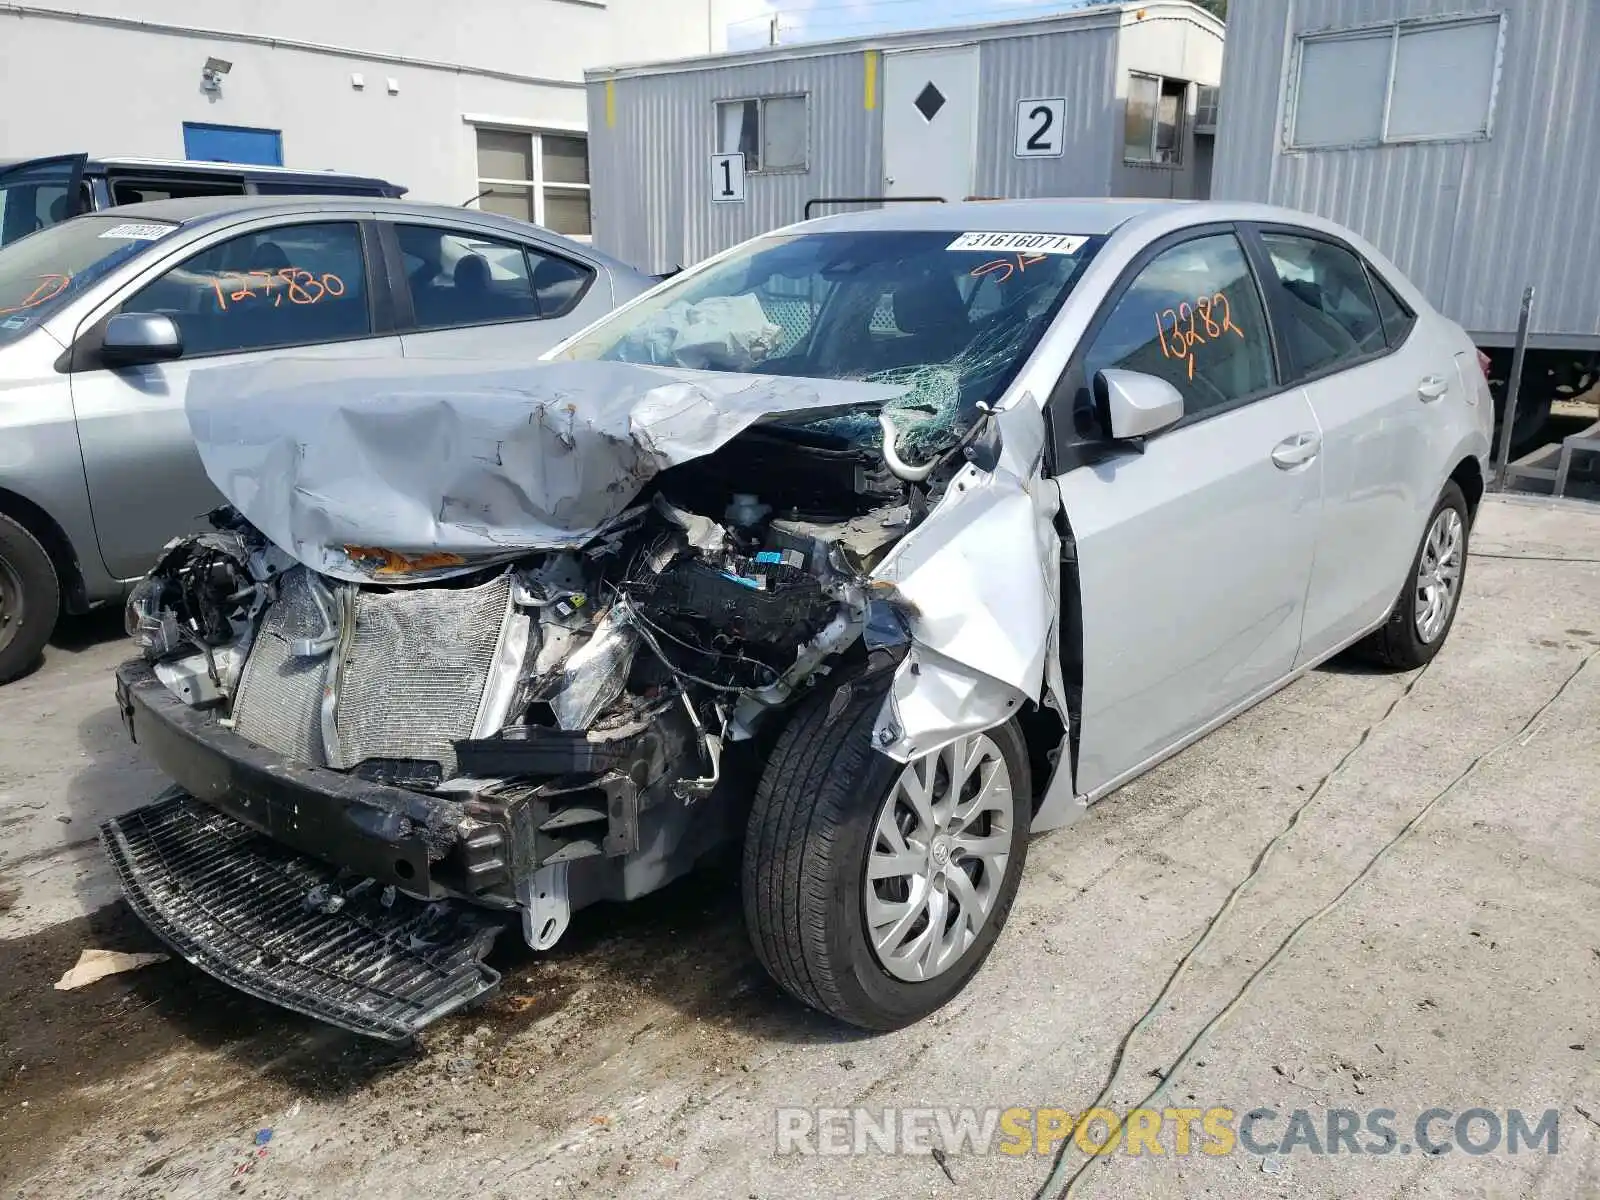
(292, 931)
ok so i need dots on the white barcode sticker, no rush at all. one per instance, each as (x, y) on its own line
(138, 231)
(1020, 243)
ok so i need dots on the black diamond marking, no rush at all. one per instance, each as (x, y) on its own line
(929, 101)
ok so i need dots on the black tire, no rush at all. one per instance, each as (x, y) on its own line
(1398, 646)
(30, 599)
(805, 856)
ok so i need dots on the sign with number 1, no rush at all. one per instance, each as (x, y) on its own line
(727, 179)
(1041, 128)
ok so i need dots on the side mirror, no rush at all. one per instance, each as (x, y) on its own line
(133, 339)
(1131, 404)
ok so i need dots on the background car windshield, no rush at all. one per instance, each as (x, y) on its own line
(952, 324)
(43, 271)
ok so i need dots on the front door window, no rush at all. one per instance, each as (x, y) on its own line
(292, 285)
(40, 193)
(1193, 317)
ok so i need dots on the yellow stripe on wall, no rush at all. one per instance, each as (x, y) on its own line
(611, 104)
(871, 97)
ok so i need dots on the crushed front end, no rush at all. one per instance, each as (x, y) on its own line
(409, 698)
(525, 736)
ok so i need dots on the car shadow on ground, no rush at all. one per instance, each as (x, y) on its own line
(75, 634)
(684, 948)
(681, 954)
(66, 1051)
(1353, 662)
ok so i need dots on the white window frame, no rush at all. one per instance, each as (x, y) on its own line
(537, 133)
(761, 130)
(1184, 125)
(1394, 29)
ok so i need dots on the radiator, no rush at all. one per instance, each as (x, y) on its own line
(279, 704)
(410, 681)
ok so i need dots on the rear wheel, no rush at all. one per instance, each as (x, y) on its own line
(874, 890)
(30, 598)
(1426, 608)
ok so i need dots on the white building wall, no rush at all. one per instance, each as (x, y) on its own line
(114, 77)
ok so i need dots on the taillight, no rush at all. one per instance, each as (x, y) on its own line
(1483, 364)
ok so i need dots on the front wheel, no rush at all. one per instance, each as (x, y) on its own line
(30, 598)
(874, 890)
(1426, 608)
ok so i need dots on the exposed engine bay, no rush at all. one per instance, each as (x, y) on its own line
(563, 706)
(568, 705)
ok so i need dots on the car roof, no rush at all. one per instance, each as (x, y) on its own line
(1144, 220)
(187, 166)
(199, 210)
(1087, 217)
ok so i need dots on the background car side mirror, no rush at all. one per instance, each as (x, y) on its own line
(133, 339)
(1131, 404)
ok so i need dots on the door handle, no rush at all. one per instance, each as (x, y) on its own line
(1432, 387)
(1296, 451)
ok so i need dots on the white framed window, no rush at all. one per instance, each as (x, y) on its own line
(1205, 109)
(539, 177)
(1408, 81)
(772, 132)
(1153, 125)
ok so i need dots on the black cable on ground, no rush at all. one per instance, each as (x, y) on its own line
(1530, 557)
(1054, 1181)
(1295, 934)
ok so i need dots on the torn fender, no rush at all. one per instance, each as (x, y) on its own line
(408, 471)
(983, 574)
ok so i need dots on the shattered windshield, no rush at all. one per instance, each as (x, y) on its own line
(949, 316)
(43, 271)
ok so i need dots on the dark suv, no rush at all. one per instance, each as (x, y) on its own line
(37, 192)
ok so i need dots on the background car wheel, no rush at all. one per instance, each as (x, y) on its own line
(1426, 608)
(30, 599)
(873, 891)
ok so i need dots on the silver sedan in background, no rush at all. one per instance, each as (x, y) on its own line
(104, 318)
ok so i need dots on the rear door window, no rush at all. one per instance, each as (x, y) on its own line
(1193, 317)
(134, 190)
(1330, 316)
(286, 286)
(460, 277)
(314, 187)
(1397, 318)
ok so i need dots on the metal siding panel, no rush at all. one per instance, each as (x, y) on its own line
(1471, 223)
(651, 169)
(654, 164)
(1077, 65)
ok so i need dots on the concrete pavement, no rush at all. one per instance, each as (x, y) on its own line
(1459, 967)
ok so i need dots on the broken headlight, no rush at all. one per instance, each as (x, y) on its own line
(150, 621)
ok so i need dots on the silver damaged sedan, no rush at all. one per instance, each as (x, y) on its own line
(872, 545)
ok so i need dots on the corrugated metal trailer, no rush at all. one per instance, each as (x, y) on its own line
(1099, 101)
(1462, 137)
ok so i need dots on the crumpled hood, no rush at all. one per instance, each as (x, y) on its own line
(408, 470)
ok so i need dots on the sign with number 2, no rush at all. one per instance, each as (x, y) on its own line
(1041, 128)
